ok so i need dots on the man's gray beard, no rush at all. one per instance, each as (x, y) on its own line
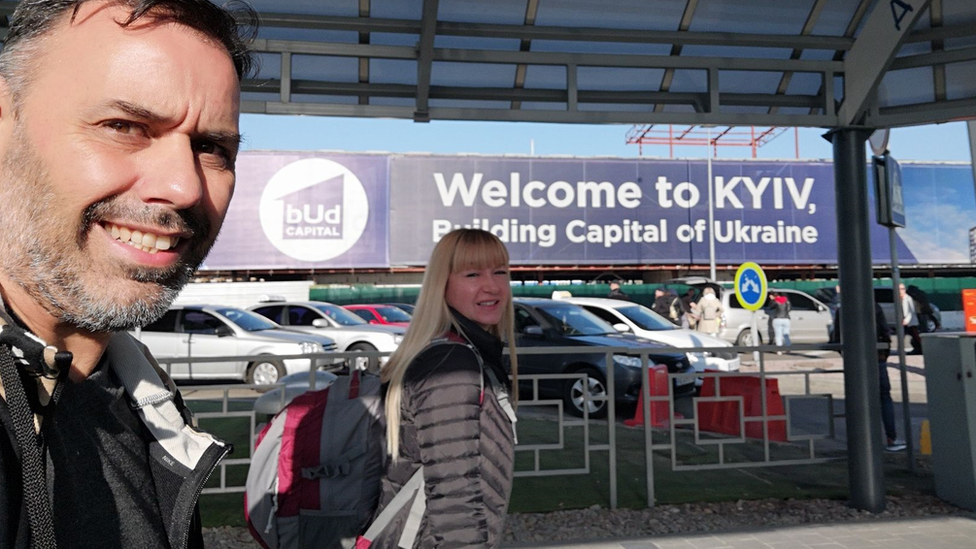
(53, 280)
(99, 315)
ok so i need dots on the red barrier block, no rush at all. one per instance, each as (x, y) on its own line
(657, 382)
(723, 416)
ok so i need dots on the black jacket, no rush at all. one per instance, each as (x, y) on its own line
(463, 438)
(182, 458)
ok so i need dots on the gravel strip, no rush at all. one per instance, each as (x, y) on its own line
(598, 523)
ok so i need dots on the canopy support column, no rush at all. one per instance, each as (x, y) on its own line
(862, 393)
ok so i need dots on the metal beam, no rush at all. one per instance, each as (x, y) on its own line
(636, 61)
(808, 26)
(827, 86)
(425, 59)
(686, 18)
(531, 11)
(938, 71)
(936, 58)
(574, 34)
(334, 49)
(364, 38)
(566, 117)
(549, 58)
(636, 97)
(934, 34)
(865, 64)
(922, 113)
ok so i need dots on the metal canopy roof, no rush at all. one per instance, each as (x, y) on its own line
(729, 62)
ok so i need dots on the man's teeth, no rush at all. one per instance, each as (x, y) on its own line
(146, 242)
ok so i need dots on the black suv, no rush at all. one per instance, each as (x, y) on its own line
(549, 323)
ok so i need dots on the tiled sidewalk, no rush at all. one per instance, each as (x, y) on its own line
(923, 533)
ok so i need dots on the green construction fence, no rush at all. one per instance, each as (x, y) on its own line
(946, 293)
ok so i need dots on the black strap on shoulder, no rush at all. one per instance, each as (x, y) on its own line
(32, 461)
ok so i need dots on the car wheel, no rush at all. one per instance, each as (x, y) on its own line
(745, 339)
(930, 325)
(368, 363)
(574, 395)
(265, 371)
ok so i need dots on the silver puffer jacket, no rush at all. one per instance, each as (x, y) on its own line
(454, 424)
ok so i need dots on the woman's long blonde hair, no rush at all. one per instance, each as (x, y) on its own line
(459, 250)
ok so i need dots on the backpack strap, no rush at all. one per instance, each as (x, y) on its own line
(45, 366)
(413, 489)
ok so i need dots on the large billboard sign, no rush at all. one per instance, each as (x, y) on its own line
(581, 211)
(337, 211)
(305, 211)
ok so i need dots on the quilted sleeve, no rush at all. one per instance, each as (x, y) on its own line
(447, 406)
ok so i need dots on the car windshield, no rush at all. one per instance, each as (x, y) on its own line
(247, 320)
(645, 318)
(393, 314)
(340, 315)
(573, 320)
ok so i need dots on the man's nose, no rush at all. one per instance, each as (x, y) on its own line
(172, 176)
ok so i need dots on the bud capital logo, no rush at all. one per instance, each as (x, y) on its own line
(314, 209)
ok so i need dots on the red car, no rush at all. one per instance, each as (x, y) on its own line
(381, 314)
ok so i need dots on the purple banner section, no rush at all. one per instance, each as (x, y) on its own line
(306, 211)
(595, 211)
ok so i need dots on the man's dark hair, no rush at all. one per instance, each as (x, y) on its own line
(233, 26)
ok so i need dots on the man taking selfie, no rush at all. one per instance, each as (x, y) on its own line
(118, 140)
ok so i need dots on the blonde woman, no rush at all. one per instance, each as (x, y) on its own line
(445, 409)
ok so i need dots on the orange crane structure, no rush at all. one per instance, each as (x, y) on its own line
(701, 136)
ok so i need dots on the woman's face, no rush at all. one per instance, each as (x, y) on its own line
(481, 295)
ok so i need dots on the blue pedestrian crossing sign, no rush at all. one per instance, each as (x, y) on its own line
(750, 286)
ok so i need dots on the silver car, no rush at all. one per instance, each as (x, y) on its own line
(810, 320)
(350, 332)
(214, 331)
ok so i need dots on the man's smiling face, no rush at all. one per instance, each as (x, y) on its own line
(116, 166)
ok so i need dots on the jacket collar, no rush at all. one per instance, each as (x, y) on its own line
(487, 344)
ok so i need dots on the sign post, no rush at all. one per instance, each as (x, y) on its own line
(891, 213)
(750, 290)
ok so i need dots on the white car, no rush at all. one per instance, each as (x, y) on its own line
(350, 332)
(200, 331)
(643, 322)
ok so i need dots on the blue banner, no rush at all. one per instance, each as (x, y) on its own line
(347, 211)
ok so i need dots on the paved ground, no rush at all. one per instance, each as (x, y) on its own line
(923, 533)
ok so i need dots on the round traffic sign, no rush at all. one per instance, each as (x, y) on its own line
(750, 286)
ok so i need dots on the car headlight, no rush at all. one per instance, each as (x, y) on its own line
(632, 361)
(308, 347)
(397, 339)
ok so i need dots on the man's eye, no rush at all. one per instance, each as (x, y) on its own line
(123, 127)
(211, 148)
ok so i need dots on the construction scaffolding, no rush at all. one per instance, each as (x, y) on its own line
(703, 136)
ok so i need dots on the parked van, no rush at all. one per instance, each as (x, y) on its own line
(810, 319)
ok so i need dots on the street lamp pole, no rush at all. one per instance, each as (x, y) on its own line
(711, 211)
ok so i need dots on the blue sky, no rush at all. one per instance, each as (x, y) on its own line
(944, 142)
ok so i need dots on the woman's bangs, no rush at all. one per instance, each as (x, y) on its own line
(477, 252)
